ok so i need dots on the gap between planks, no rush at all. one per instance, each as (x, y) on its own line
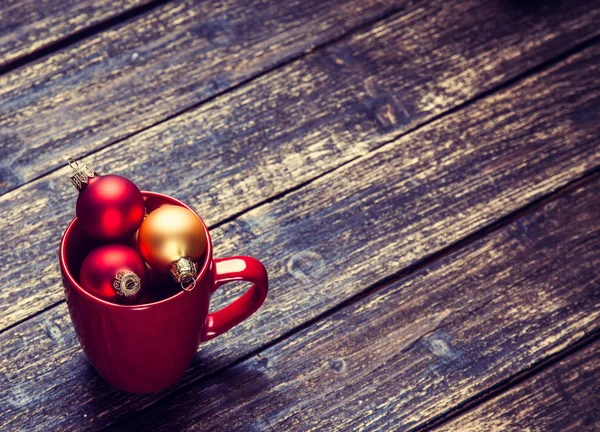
(509, 383)
(80, 35)
(407, 272)
(579, 409)
(278, 65)
(519, 77)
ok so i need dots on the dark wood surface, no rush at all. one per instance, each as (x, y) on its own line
(286, 137)
(420, 179)
(303, 238)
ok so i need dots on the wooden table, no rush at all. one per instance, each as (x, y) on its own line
(419, 177)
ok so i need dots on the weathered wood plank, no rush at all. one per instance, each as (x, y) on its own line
(113, 85)
(566, 397)
(421, 346)
(28, 25)
(327, 241)
(141, 72)
(290, 126)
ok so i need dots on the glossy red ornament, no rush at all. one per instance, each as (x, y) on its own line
(109, 207)
(114, 272)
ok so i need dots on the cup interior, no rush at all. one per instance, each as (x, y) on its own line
(76, 245)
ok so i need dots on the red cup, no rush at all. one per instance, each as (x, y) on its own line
(147, 347)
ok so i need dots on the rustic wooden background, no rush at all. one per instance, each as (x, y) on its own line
(419, 177)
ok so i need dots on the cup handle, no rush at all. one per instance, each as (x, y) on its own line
(239, 268)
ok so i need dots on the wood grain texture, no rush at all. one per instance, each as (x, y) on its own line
(141, 73)
(28, 25)
(421, 346)
(290, 126)
(331, 239)
(565, 397)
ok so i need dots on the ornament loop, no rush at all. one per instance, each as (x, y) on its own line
(73, 164)
(184, 271)
(188, 283)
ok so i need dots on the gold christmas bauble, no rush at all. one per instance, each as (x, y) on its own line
(170, 235)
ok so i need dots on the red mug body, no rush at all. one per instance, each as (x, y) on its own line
(147, 347)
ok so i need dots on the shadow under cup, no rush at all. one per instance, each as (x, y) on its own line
(138, 348)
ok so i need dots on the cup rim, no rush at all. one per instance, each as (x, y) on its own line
(85, 293)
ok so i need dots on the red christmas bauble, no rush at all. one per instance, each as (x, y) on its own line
(114, 272)
(109, 207)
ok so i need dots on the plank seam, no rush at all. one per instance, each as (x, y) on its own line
(277, 65)
(33, 315)
(507, 384)
(80, 35)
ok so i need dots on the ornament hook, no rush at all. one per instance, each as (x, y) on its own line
(184, 271)
(187, 283)
(73, 164)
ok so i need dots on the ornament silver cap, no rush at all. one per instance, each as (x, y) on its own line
(127, 283)
(184, 272)
(82, 173)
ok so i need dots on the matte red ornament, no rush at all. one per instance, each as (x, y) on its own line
(109, 207)
(114, 272)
